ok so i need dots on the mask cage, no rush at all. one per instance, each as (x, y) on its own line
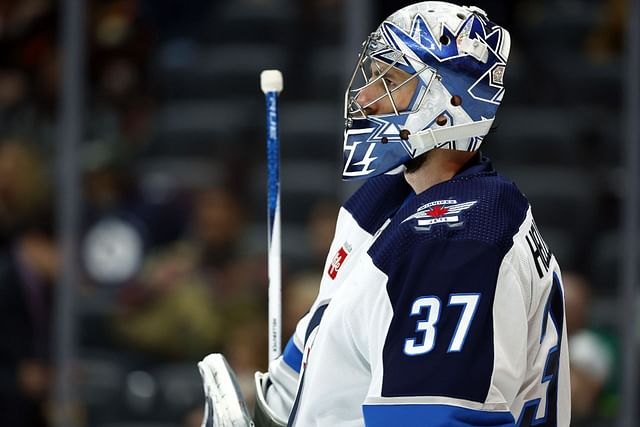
(376, 61)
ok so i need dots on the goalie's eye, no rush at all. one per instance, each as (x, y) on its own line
(390, 83)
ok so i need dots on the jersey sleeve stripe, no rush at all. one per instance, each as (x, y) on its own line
(292, 356)
(438, 416)
(315, 320)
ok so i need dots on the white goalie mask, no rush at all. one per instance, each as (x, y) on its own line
(430, 76)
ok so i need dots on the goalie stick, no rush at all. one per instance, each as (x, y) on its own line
(271, 85)
(224, 403)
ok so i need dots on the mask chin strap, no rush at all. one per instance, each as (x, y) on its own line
(429, 139)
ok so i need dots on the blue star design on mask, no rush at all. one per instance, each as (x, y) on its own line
(390, 127)
(477, 79)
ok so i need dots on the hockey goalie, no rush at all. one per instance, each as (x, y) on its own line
(440, 303)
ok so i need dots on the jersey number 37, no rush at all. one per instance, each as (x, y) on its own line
(429, 310)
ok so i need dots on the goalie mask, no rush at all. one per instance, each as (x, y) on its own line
(431, 76)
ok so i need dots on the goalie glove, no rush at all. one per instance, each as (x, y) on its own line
(224, 404)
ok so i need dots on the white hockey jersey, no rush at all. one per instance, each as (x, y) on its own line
(441, 309)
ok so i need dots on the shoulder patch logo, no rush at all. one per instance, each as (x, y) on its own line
(440, 212)
(338, 260)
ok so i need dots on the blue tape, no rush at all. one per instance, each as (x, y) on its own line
(273, 158)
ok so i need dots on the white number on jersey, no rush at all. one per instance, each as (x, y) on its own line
(427, 326)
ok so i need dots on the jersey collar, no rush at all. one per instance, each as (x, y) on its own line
(477, 164)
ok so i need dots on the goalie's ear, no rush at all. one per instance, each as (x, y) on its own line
(224, 403)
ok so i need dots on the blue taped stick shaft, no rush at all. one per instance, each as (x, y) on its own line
(273, 213)
(273, 158)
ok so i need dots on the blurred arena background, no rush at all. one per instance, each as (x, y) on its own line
(166, 230)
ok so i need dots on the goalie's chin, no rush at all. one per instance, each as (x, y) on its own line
(413, 165)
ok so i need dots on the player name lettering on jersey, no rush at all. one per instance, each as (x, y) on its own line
(338, 260)
(539, 249)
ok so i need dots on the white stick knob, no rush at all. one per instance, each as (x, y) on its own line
(271, 81)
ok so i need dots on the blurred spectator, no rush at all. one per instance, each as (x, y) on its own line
(111, 189)
(591, 358)
(193, 295)
(24, 188)
(123, 102)
(27, 271)
(108, 180)
(29, 267)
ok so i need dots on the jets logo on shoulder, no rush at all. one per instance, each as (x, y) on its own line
(440, 212)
